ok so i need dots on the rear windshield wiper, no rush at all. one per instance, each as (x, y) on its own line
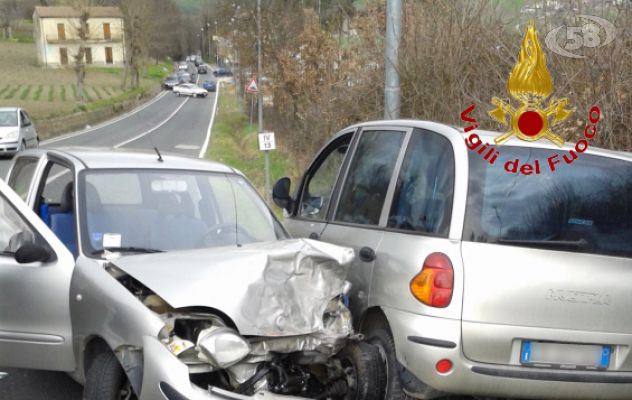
(127, 249)
(575, 244)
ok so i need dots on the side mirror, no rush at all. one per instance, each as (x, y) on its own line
(281, 194)
(31, 252)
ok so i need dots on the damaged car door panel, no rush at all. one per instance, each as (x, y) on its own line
(212, 301)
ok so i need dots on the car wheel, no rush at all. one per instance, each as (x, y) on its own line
(362, 365)
(390, 380)
(106, 380)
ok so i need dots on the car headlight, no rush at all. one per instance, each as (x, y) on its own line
(12, 135)
(222, 347)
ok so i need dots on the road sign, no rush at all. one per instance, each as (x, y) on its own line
(266, 141)
(252, 86)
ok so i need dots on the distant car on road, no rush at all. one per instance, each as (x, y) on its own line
(184, 77)
(197, 60)
(182, 66)
(210, 86)
(203, 69)
(222, 72)
(16, 131)
(170, 82)
(189, 89)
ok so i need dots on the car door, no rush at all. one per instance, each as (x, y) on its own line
(35, 326)
(31, 138)
(317, 187)
(357, 219)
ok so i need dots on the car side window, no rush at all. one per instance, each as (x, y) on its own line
(14, 231)
(370, 172)
(25, 119)
(423, 196)
(22, 175)
(321, 181)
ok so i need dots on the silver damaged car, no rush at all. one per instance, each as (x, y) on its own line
(161, 277)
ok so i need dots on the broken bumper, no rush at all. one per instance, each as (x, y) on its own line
(166, 377)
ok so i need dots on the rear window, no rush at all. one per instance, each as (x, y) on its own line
(584, 207)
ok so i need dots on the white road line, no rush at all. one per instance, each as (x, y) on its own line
(187, 147)
(210, 124)
(106, 123)
(147, 132)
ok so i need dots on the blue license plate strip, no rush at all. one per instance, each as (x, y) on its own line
(526, 352)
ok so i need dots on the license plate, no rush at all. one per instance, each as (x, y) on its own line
(565, 355)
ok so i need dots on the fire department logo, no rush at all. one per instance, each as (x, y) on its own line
(530, 84)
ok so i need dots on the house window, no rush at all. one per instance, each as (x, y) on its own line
(61, 32)
(108, 55)
(63, 56)
(106, 31)
(88, 55)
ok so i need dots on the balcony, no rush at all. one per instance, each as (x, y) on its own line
(93, 39)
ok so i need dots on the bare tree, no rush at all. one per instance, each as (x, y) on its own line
(82, 35)
(9, 13)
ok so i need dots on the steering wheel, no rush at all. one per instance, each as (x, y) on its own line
(224, 234)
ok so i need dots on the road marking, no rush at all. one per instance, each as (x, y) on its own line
(106, 123)
(187, 147)
(147, 132)
(210, 124)
(3, 375)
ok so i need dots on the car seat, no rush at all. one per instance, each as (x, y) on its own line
(62, 221)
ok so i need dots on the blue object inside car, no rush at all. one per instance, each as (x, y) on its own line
(62, 219)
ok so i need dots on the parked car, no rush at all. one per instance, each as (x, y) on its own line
(16, 131)
(164, 277)
(210, 85)
(197, 60)
(203, 69)
(189, 89)
(472, 279)
(170, 82)
(182, 66)
(221, 72)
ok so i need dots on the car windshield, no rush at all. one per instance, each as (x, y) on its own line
(163, 210)
(8, 118)
(585, 206)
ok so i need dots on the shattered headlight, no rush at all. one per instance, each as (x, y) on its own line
(222, 347)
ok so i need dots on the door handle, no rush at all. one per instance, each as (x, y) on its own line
(314, 236)
(367, 254)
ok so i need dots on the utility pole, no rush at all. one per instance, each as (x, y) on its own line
(208, 34)
(266, 155)
(392, 89)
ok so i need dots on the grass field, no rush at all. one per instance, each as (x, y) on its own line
(49, 92)
(234, 143)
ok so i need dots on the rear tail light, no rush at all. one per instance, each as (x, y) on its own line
(433, 285)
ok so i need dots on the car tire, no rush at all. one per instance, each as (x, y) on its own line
(106, 380)
(390, 380)
(365, 363)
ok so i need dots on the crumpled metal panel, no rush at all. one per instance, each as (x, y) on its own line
(279, 288)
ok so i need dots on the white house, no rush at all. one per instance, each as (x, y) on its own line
(57, 40)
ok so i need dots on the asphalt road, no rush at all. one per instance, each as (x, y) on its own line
(168, 122)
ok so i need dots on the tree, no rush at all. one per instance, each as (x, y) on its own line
(82, 35)
(9, 13)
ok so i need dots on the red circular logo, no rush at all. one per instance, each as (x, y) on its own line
(530, 123)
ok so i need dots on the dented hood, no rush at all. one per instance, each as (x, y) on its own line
(268, 289)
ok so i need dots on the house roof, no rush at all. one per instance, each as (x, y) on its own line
(70, 12)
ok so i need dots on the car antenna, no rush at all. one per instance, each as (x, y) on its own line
(159, 155)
